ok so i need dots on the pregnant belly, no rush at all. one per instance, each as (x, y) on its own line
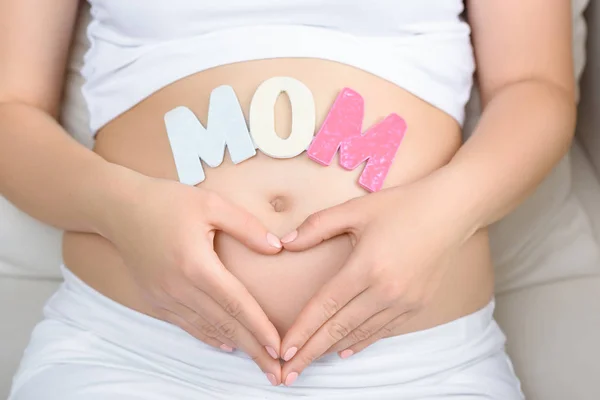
(282, 193)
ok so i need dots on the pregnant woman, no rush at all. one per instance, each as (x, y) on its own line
(278, 203)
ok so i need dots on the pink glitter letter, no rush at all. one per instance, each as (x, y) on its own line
(342, 130)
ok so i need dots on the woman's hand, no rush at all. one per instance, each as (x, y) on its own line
(403, 238)
(165, 237)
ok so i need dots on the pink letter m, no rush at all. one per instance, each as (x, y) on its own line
(342, 130)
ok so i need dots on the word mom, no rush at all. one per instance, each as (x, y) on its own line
(192, 143)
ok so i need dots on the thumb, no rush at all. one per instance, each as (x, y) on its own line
(321, 226)
(243, 226)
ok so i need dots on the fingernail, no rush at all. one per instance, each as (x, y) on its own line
(290, 353)
(289, 237)
(271, 378)
(346, 353)
(226, 348)
(272, 352)
(291, 378)
(273, 240)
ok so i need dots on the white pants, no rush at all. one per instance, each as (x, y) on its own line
(89, 347)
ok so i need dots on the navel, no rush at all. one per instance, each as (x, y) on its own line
(280, 203)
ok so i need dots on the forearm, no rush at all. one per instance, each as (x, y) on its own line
(524, 131)
(50, 176)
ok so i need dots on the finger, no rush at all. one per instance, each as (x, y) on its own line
(348, 283)
(200, 324)
(354, 314)
(233, 297)
(242, 225)
(321, 226)
(384, 332)
(220, 323)
(246, 342)
(195, 331)
(363, 332)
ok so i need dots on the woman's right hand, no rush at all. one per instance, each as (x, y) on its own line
(165, 236)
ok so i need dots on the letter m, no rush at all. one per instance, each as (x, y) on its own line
(192, 143)
(342, 130)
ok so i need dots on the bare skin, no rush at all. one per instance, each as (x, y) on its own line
(282, 193)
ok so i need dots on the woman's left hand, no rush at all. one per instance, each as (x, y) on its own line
(403, 240)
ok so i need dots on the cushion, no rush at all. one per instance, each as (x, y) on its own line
(589, 117)
(28, 248)
(552, 327)
(552, 332)
(18, 320)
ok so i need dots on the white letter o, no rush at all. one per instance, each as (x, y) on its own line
(262, 117)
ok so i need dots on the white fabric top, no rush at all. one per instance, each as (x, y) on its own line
(140, 46)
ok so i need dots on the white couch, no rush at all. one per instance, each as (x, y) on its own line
(547, 257)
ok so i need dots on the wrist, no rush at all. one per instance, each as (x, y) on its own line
(117, 194)
(455, 200)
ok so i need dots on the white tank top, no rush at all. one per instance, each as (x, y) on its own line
(140, 46)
